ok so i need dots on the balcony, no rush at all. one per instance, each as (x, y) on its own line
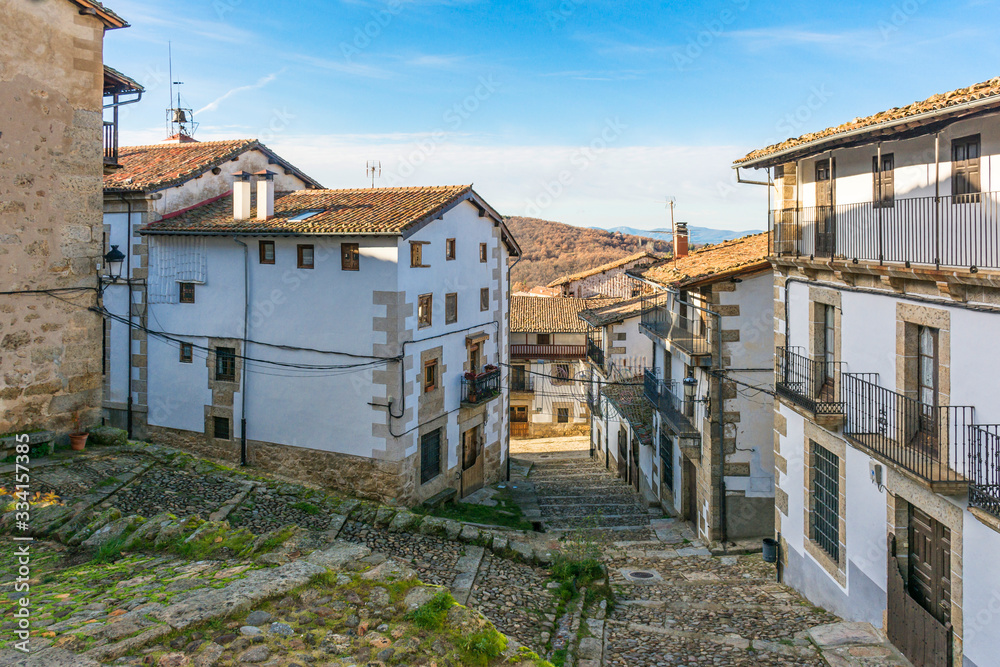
(594, 400)
(524, 383)
(960, 231)
(930, 443)
(548, 351)
(984, 464)
(481, 388)
(682, 325)
(811, 383)
(110, 144)
(595, 352)
(667, 398)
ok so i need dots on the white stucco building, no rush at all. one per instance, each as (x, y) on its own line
(354, 338)
(710, 459)
(606, 280)
(887, 256)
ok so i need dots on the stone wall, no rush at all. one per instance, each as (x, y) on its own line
(51, 179)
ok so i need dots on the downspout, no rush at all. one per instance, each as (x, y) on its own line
(510, 270)
(128, 282)
(246, 326)
(721, 432)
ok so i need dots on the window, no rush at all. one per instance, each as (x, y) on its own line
(484, 298)
(304, 215)
(430, 375)
(560, 373)
(225, 364)
(350, 257)
(475, 356)
(424, 306)
(306, 256)
(451, 308)
(482, 252)
(620, 336)
(266, 252)
(824, 515)
(186, 353)
(220, 427)
(965, 169)
(449, 249)
(518, 378)
(416, 254)
(187, 292)
(882, 177)
(562, 415)
(430, 456)
(543, 338)
(666, 460)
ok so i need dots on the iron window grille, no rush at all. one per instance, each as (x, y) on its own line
(220, 427)
(225, 364)
(187, 292)
(825, 512)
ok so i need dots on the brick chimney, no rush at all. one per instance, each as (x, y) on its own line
(241, 195)
(265, 194)
(681, 240)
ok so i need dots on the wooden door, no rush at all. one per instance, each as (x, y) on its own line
(930, 564)
(472, 461)
(824, 208)
(923, 639)
(622, 453)
(690, 483)
(518, 421)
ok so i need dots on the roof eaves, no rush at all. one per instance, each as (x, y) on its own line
(108, 17)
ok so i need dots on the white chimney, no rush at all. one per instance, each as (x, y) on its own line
(265, 194)
(241, 195)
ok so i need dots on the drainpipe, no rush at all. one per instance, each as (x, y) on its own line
(128, 282)
(722, 432)
(937, 199)
(510, 270)
(246, 325)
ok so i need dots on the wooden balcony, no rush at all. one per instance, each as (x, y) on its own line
(548, 351)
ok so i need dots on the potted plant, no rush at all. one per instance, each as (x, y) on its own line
(78, 439)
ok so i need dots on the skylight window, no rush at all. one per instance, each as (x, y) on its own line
(304, 215)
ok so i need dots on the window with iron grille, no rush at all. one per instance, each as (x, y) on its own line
(562, 415)
(187, 292)
(430, 456)
(667, 460)
(225, 364)
(824, 519)
(220, 427)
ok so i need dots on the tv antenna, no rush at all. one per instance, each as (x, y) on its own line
(180, 119)
(373, 169)
(671, 200)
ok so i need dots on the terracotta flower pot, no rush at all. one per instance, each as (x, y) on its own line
(77, 441)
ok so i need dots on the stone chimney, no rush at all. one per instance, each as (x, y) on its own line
(265, 194)
(681, 240)
(241, 195)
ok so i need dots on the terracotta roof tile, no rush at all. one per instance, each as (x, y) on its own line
(162, 165)
(540, 314)
(354, 211)
(737, 256)
(603, 267)
(615, 312)
(116, 82)
(942, 102)
(110, 19)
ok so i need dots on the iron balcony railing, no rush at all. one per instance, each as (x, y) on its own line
(594, 399)
(812, 383)
(682, 324)
(524, 382)
(110, 143)
(954, 231)
(548, 351)
(481, 388)
(931, 442)
(984, 466)
(595, 352)
(667, 398)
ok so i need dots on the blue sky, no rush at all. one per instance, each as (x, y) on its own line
(585, 112)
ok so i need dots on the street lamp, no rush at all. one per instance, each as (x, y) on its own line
(113, 259)
(690, 386)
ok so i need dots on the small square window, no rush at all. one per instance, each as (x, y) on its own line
(482, 252)
(424, 307)
(430, 375)
(266, 252)
(306, 256)
(220, 428)
(350, 257)
(186, 353)
(562, 415)
(449, 249)
(187, 292)
(416, 254)
(225, 364)
(542, 339)
(451, 308)
(484, 298)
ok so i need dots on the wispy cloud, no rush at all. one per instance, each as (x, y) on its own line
(597, 75)
(341, 66)
(261, 82)
(784, 36)
(434, 61)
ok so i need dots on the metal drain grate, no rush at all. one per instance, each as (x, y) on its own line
(641, 575)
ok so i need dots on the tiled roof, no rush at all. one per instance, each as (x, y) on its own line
(539, 314)
(162, 165)
(933, 106)
(615, 312)
(742, 255)
(603, 267)
(110, 19)
(356, 211)
(631, 404)
(116, 82)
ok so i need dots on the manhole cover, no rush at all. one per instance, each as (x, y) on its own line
(641, 575)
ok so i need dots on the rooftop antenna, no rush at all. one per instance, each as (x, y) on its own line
(671, 200)
(180, 120)
(373, 169)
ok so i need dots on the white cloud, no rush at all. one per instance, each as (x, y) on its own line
(261, 82)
